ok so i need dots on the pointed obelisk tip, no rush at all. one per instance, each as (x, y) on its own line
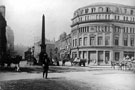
(43, 15)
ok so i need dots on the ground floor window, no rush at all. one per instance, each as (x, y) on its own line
(117, 56)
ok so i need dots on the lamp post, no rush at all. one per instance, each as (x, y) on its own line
(77, 52)
(33, 49)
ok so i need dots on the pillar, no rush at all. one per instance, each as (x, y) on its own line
(104, 57)
(129, 40)
(96, 57)
(111, 56)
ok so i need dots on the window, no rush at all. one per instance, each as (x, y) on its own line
(132, 41)
(100, 9)
(125, 41)
(80, 41)
(87, 28)
(93, 10)
(75, 42)
(124, 18)
(131, 12)
(85, 41)
(92, 40)
(107, 9)
(127, 18)
(86, 10)
(107, 40)
(125, 11)
(81, 12)
(117, 54)
(100, 40)
(116, 41)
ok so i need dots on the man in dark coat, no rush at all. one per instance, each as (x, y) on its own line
(45, 65)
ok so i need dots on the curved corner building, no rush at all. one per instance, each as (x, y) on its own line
(102, 33)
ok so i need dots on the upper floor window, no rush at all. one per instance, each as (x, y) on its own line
(80, 41)
(124, 18)
(107, 40)
(75, 42)
(92, 40)
(85, 41)
(100, 40)
(116, 40)
(81, 11)
(125, 40)
(107, 9)
(125, 11)
(132, 41)
(86, 10)
(93, 10)
(100, 9)
(131, 12)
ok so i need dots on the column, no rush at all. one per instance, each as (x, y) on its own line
(121, 55)
(87, 55)
(96, 57)
(111, 56)
(121, 38)
(103, 39)
(82, 40)
(104, 57)
(111, 36)
(96, 39)
(129, 40)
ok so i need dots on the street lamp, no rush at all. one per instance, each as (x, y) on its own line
(77, 52)
(33, 49)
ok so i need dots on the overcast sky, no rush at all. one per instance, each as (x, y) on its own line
(25, 16)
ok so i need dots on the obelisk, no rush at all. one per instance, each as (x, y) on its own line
(43, 45)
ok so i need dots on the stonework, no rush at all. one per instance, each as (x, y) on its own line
(102, 33)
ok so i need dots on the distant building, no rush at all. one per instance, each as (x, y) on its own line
(6, 34)
(2, 10)
(63, 44)
(3, 24)
(10, 39)
(102, 33)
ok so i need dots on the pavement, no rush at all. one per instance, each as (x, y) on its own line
(84, 78)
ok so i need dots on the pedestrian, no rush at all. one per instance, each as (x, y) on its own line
(45, 65)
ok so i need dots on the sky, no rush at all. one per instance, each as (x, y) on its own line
(25, 17)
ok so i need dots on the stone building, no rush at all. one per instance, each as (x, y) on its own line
(102, 33)
(63, 44)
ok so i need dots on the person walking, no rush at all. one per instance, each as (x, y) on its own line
(45, 65)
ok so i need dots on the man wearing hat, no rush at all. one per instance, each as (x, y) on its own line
(45, 64)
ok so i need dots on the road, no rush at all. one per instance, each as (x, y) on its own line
(90, 78)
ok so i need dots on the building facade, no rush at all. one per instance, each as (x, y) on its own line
(63, 44)
(102, 33)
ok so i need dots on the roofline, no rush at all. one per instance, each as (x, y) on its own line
(107, 4)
